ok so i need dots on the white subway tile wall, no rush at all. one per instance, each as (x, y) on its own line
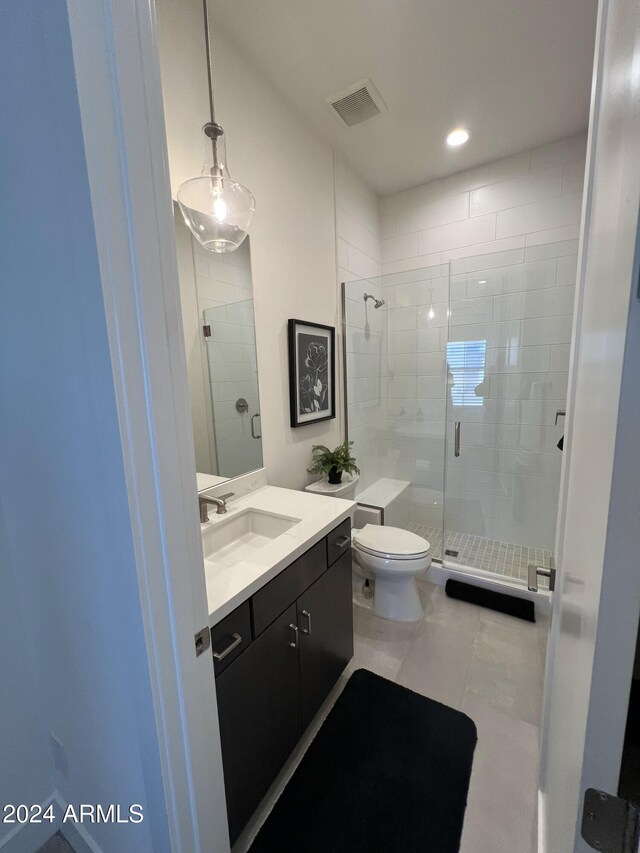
(225, 301)
(502, 240)
(537, 191)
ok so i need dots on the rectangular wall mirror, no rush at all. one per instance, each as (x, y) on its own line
(218, 319)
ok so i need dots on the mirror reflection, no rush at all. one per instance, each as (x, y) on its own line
(218, 320)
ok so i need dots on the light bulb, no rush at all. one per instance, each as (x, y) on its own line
(458, 136)
(432, 313)
(220, 208)
(217, 210)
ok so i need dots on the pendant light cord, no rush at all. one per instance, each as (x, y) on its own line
(217, 211)
(207, 38)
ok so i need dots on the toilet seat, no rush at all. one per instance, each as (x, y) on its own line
(390, 543)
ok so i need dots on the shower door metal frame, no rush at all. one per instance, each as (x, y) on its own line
(343, 331)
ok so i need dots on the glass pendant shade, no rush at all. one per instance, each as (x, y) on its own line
(217, 209)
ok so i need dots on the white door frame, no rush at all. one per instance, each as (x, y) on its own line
(119, 88)
(597, 600)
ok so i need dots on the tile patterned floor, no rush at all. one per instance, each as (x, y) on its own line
(486, 664)
(490, 555)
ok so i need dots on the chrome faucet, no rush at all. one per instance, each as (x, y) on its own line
(205, 500)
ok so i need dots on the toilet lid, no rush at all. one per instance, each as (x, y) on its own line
(391, 542)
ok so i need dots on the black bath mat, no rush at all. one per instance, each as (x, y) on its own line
(521, 608)
(388, 772)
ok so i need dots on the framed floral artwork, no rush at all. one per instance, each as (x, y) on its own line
(312, 372)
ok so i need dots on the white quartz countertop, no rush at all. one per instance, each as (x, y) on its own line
(229, 586)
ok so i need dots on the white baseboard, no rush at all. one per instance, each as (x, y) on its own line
(30, 836)
(76, 833)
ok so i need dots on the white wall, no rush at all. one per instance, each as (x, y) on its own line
(525, 200)
(293, 254)
(181, 46)
(24, 745)
(359, 257)
(290, 172)
(357, 225)
(68, 539)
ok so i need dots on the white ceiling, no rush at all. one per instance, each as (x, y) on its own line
(517, 72)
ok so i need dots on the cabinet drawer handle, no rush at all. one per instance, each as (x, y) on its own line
(342, 542)
(294, 628)
(237, 639)
(307, 616)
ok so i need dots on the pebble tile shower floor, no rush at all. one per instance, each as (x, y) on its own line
(490, 555)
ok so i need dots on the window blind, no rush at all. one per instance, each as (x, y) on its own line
(466, 362)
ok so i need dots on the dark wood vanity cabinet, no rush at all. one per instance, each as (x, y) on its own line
(259, 713)
(325, 622)
(301, 640)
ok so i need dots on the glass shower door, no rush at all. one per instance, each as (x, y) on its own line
(507, 355)
(394, 338)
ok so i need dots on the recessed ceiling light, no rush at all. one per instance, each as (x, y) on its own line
(458, 136)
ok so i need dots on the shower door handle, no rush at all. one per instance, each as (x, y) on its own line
(253, 431)
(456, 439)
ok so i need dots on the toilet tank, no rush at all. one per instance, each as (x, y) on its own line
(346, 489)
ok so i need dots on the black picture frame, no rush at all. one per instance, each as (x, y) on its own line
(312, 372)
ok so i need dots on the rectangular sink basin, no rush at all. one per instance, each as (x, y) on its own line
(239, 538)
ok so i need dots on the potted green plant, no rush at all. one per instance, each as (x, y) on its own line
(333, 462)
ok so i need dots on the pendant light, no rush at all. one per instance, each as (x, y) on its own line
(217, 209)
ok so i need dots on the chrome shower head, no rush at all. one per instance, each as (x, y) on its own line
(377, 303)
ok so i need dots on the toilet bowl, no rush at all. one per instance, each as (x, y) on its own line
(395, 557)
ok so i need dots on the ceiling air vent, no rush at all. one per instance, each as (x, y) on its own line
(357, 103)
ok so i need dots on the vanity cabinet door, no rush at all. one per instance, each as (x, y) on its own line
(272, 599)
(260, 720)
(325, 620)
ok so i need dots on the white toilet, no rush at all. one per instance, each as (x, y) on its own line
(395, 557)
